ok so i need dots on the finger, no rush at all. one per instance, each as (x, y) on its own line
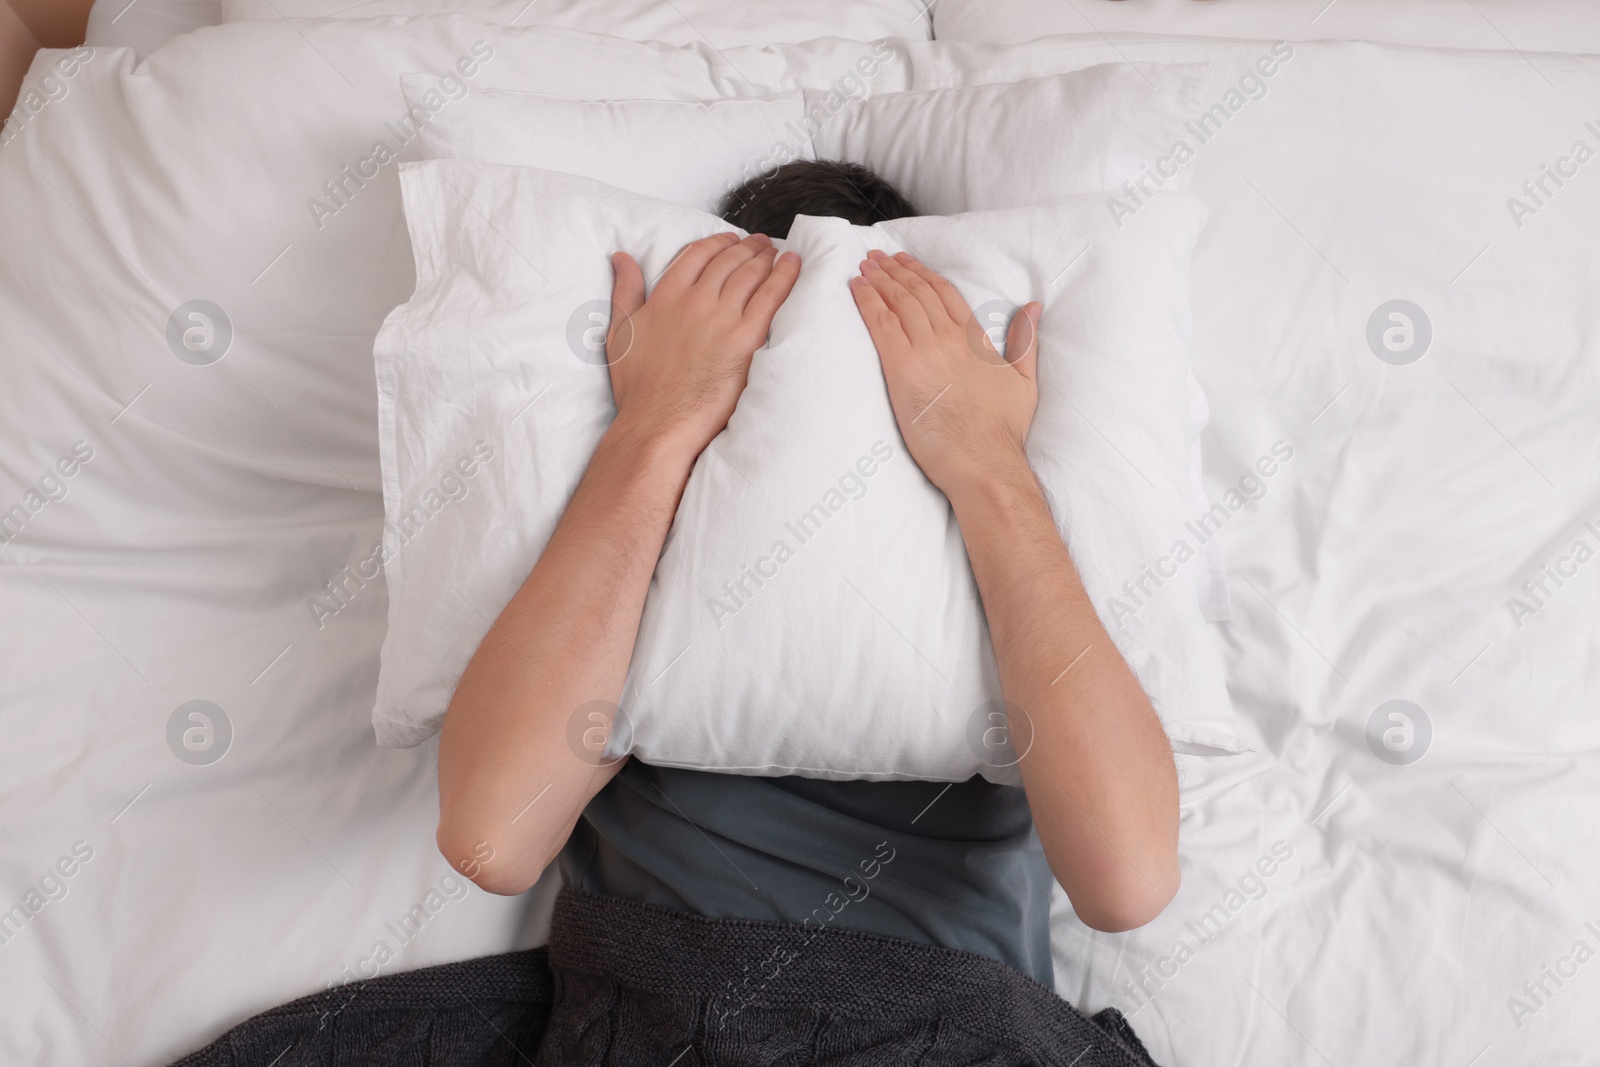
(744, 281)
(685, 270)
(914, 284)
(724, 263)
(627, 297)
(913, 316)
(954, 304)
(1022, 341)
(882, 323)
(627, 285)
(771, 293)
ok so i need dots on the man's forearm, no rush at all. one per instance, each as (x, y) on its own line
(1098, 769)
(510, 786)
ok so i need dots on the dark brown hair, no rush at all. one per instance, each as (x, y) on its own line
(769, 202)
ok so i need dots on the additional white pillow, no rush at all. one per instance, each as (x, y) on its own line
(685, 152)
(722, 25)
(147, 26)
(1511, 25)
(1009, 145)
(862, 652)
(253, 130)
(948, 150)
(1019, 143)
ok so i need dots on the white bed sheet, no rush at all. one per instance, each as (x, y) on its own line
(180, 563)
(1417, 899)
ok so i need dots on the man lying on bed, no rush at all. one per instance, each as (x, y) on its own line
(967, 874)
(651, 949)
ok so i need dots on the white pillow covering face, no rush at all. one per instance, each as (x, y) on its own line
(813, 611)
(682, 151)
(721, 24)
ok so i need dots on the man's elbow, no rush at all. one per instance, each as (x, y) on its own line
(493, 868)
(1131, 905)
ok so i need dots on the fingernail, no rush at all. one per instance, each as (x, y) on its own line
(876, 253)
(871, 264)
(788, 255)
(904, 257)
(761, 238)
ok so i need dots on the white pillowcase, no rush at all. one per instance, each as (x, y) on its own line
(863, 652)
(241, 124)
(149, 25)
(1016, 145)
(1534, 25)
(685, 152)
(948, 150)
(1009, 145)
(714, 22)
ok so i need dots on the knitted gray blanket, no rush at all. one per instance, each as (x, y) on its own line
(633, 984)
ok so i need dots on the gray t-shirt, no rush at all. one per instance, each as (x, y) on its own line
(957, 865)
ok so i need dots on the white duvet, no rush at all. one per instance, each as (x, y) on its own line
(1421, 544)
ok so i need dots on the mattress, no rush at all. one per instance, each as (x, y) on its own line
(189, 743)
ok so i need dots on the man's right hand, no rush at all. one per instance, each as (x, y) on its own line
(680, 359)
